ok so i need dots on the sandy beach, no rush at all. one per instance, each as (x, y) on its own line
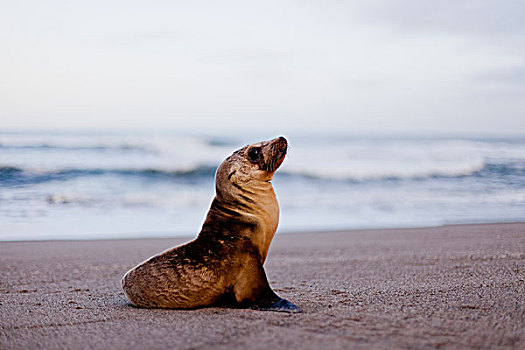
(455, 287)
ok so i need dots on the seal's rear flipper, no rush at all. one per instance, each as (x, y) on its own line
(279, 305)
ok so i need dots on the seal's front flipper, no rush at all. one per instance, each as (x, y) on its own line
(279, 305)
(253, 290)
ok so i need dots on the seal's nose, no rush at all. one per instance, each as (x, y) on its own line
(282, 144)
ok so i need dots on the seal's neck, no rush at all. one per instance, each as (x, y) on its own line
(249, 212)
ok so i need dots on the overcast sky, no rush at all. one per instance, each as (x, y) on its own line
(362, 66)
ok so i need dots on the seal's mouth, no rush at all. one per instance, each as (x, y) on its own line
(276, 154)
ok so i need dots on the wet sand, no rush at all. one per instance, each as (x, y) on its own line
(455, 287)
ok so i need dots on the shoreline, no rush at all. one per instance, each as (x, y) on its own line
(166, 235)
(453, 286)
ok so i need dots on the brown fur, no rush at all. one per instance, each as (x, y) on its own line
(226, 260)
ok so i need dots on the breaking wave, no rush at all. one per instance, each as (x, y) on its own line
(13, 176)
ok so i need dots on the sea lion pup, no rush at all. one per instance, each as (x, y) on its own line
(225, 262)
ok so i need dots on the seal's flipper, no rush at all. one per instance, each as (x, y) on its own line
(253, 290)
(279, 305)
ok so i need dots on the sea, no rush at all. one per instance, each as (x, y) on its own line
(128, 184)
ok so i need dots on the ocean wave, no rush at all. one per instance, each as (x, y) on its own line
(7, 173)
(97, 143)
(179, 200)
(74, 148)
(480, 169)
(13, 176)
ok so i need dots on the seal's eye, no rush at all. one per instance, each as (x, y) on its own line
(253, 154)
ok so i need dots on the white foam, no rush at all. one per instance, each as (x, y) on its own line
(361, 160)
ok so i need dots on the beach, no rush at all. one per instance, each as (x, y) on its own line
(454, 287)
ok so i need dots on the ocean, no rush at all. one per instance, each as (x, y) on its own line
(100, 185)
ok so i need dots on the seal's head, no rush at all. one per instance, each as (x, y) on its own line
(251, 166)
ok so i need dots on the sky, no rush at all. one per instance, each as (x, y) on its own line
(358, 66)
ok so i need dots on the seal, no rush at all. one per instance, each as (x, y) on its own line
(224, 264)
